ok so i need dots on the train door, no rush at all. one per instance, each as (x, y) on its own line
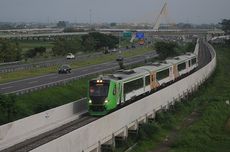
(154, 83)
(175, 71)
(121, 93)
(171, 73)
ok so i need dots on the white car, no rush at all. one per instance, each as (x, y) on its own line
(70, 56)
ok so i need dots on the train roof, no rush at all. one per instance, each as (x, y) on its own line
(144, 70)
(157, 66)
(181, 58)
(125, 74)
(188, 55)
(141, 70)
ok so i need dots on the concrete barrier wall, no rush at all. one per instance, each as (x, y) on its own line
(98, 132)
(26, 128)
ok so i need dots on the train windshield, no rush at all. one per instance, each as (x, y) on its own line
(98, 89)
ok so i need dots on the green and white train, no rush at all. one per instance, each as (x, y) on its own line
(108, 92)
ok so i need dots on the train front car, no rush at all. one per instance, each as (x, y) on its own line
(102, 96)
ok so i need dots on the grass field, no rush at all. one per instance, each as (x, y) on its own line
(29, 44)
(6, 77)
(210, 129)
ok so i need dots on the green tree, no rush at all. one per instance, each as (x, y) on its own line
(35, 51)
(166, 49)
(63, 46)
(7, 107)
(93, 41)
(88, 43)
(225, 25)
(9, 51)
(99, 41)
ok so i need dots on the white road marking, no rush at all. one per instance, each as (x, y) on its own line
(85, 70)
(7, 87)
(54, 77)
(32, 82)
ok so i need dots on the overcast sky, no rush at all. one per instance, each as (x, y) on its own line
(192, 11)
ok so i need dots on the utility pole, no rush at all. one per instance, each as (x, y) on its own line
(90, 18)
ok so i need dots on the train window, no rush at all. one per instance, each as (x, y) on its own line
(101, 90)
(181, 66)
(147, 80)
(189, 63)
(162, 74)
(193, 61)
(133, 85)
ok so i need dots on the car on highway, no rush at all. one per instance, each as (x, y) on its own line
(70, 56)
(65, 68)
(120, 59)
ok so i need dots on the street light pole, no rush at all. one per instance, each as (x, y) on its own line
(90, 18)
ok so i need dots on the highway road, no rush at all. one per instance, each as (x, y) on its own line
(48, 80)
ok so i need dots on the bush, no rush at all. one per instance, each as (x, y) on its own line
(9, 51)
(7, 108)
(165, 49)
(148, 130)
(31, 53)
(165, 119)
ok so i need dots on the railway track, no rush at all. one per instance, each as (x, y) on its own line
(204, 57)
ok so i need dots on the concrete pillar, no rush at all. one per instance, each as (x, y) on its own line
(142, 120)
(172, 107)
(98, 147)
(151, 117)
(109, 145)
(168, 105)
(120, 139)
(133, 130)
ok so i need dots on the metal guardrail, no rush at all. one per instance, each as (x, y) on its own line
(10, 63)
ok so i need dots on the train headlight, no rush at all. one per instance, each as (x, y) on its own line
(106, 101)
(99, 81)
(90, 101)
